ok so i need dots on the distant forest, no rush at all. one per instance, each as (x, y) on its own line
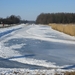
(46, 18)
(10, 20)
(14, 20)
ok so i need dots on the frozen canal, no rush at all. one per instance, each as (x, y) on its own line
(36, 47)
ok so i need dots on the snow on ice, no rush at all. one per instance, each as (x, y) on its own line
(37, 32)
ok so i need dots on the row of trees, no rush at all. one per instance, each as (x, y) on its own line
(10, 20)
(46, 18)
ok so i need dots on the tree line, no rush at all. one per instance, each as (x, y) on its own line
(10, 20)
(46, 18)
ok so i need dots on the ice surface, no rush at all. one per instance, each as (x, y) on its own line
(36, 45)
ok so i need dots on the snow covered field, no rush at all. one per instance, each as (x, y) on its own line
(28, 48)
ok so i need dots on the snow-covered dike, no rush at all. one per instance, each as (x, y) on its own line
(20, 71)
(35, 47)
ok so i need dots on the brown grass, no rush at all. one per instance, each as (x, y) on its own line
(69, 73)
(66, 73)
(65, 28)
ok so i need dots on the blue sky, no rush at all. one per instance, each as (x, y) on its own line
(30, 9)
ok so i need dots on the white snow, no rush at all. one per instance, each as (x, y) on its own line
(36, 33)
(32, 32)
(20, 71)
(35, 62)
(6, 52)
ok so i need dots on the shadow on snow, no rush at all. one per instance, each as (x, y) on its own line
(7, 32)
(5, 63)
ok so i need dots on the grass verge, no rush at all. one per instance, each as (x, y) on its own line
(65, 28)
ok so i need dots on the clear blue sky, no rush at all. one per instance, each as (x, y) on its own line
(30, 9)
